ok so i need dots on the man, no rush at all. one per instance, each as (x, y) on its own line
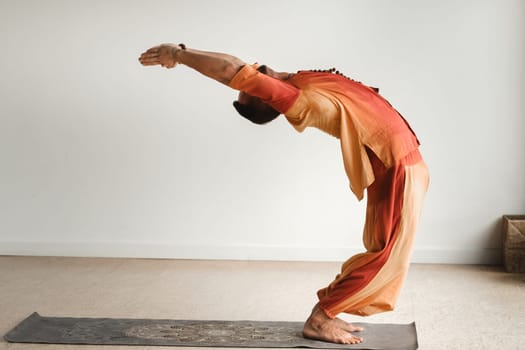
(380, 155)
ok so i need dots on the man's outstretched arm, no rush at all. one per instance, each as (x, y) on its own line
(218, 66)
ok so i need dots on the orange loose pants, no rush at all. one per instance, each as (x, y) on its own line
(370, 282)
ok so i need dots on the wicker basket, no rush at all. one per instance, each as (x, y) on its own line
(514, 243)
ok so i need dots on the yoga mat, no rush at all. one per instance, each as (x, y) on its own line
(232, 334)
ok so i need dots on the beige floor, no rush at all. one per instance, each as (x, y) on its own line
(454, 306)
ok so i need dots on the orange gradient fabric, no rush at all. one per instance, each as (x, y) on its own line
(370, 282)
(380, 155)
(346, 109)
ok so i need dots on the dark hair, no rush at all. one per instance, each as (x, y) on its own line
(255, 110)
(254, 114)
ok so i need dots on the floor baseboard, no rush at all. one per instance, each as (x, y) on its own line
(489, 256)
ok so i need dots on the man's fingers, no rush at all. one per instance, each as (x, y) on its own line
(149, 58)
(149, 61)
(150, 54)
(154, 49)
(153, 57)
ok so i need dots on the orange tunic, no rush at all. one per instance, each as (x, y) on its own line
(344, 108)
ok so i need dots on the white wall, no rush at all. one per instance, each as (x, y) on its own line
(102, 157)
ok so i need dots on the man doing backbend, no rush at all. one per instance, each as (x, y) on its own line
(380, 155)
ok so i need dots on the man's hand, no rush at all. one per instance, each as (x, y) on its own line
(218, 66)
(164, 55)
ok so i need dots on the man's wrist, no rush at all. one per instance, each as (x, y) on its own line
(176, 52)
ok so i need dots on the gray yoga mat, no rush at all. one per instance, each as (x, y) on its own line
(231, 334)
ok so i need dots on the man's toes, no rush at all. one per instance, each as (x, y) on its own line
(351, 340)
(345, 340)
(356, 340)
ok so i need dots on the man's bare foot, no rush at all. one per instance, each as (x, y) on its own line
(319, 326)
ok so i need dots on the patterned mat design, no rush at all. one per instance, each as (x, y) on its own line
(198, 333)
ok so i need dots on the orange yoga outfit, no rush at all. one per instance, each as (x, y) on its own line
(380, 154)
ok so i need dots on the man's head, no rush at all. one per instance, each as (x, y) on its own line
(253, 108)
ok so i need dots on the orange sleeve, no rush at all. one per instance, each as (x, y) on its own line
(278, 94)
